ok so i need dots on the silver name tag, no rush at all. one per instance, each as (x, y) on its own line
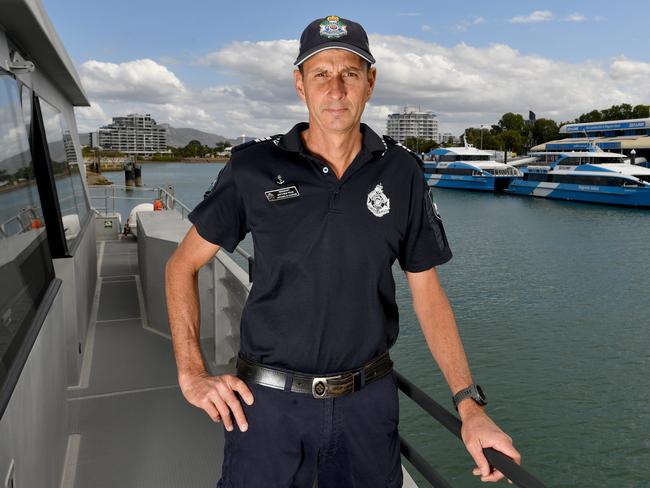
(282, 194)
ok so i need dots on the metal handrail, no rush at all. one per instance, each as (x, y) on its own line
(500, 461)
(164, 194)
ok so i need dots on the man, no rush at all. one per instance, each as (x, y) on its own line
(330, 206)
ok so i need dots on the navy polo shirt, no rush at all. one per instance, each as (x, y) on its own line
(323, 295)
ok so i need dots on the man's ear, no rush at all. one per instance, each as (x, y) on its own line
(298, 83)
(372, 78)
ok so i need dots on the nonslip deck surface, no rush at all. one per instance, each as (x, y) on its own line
(136, 429)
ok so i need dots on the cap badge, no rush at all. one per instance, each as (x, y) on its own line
(279, 180)
(333, 28)
(378, 203)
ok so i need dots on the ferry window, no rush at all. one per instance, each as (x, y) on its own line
(537, 176)
(69, 185)
(25, 264)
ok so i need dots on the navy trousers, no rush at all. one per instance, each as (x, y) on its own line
(294, 439)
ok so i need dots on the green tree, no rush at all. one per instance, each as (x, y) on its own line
(420, 145)
(641, 111)
(513, 122)
(544, 130)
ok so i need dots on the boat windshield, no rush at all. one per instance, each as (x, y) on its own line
(645, 178)
(448, 158)
(578, 160)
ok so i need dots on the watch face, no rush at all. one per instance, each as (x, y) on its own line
(481, 395)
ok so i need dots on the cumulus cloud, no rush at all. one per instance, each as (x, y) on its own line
(464, 85)
(140, 80)
(536, 16)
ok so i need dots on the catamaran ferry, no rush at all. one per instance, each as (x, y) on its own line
(468, 168)
(593, 176)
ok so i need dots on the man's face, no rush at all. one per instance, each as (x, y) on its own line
(335, 86)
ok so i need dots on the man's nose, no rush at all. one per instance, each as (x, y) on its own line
(337, 87)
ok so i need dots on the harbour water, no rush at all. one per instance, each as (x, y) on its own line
(551, 299)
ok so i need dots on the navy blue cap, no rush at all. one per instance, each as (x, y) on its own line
(333, 33)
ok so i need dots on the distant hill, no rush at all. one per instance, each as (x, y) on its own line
(180, 137)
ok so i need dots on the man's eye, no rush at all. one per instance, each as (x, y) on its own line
(320, 75)
(351, 74)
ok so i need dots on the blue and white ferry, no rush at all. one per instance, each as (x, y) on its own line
(592, 176)
(468, 168)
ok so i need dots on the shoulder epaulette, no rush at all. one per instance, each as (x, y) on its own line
(413, 154)
(256, 141)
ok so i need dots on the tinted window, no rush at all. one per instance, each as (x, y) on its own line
(69, 186)
(25, 264)
(456, 171)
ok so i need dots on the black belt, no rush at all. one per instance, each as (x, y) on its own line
(318, 386)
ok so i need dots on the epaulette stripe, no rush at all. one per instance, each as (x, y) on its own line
(255, 141)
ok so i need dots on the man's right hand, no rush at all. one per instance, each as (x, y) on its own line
(215, 395)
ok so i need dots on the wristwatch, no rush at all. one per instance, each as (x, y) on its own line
(473, 391)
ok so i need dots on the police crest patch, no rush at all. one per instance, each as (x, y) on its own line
(378, 203)
(333, 28)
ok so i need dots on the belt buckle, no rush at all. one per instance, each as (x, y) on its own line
(319, 386)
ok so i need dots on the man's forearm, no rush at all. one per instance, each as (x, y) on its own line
(439, 328)
(181, 287)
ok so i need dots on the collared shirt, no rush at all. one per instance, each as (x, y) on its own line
(323, 295)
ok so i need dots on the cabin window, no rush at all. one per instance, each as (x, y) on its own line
(26, 268)
(456, 171)
(71, 196)
(536, 176)
(589, 180)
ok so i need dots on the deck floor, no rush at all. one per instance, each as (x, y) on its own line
(135, 429)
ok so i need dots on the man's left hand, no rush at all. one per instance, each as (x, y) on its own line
(480, 432)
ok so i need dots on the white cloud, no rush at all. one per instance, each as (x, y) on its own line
(536, 16)
(628, 71)
(408, 14)
(466, 24)
(464, 85)
(91, 118)
(575, 17)
(426, 28)
(140, 80)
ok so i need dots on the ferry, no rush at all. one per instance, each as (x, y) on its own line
(468, 168)
(592, 176)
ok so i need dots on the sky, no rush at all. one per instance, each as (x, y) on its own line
(227, 68)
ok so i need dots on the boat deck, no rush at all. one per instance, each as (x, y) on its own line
(131, 425)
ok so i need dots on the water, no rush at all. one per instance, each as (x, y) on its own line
(551, 302)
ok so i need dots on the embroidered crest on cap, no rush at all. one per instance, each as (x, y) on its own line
(333, 28)
(378, 203)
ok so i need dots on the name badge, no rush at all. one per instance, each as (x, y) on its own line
(282, 193)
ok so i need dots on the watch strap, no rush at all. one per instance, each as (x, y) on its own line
(470, 392)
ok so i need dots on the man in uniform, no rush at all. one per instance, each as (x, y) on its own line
(330, 206)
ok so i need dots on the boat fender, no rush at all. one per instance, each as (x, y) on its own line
(157, 205)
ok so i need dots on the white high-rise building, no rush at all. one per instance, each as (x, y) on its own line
(412, 122)
(134, 134)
